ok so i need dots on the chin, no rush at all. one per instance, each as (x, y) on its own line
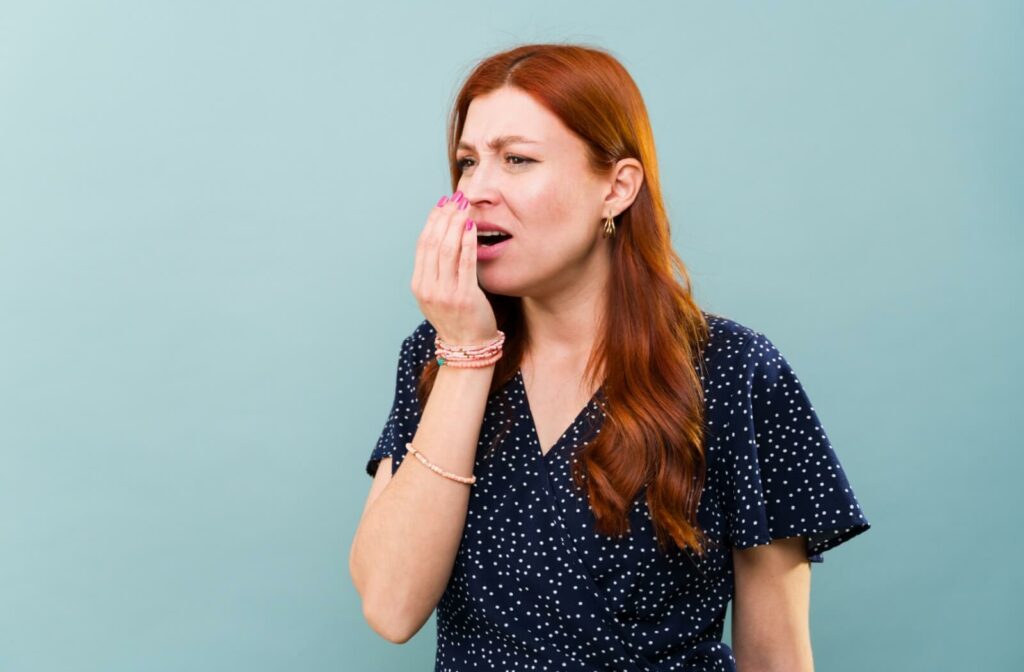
(494, 284)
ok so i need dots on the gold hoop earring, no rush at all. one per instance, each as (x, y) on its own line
(609, 227)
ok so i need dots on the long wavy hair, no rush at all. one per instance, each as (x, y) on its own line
(653, 434)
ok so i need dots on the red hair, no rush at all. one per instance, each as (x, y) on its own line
(652, 435)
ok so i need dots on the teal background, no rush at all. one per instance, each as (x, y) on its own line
(208, 212)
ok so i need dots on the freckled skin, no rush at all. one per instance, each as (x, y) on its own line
(551, 205)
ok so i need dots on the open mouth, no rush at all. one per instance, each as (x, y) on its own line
(489, 238)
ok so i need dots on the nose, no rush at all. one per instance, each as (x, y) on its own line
(481, 185)
(474, 199)
(477, 191)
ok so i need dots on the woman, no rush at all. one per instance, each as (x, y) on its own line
(558, 523)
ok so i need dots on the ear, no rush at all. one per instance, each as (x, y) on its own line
(626, 178)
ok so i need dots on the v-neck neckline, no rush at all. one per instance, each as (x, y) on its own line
(521, 382)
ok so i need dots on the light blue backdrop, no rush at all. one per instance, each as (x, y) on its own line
(207, 219)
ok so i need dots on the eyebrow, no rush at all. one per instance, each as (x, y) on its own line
(500, 142)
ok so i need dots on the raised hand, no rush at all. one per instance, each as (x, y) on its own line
(444, 278)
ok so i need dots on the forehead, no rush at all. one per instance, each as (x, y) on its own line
(509, 112)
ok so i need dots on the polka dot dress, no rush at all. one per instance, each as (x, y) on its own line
(534, 587)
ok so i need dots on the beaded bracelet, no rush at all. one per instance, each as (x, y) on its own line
(472, 356)
(438, 470)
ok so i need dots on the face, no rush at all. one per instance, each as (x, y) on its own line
(540, 189)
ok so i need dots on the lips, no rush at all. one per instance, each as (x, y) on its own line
(491, 238)
(488, 252)
(490, 226)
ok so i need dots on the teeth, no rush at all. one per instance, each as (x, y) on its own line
(490, 233)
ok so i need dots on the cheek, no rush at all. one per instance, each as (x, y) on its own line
(551, 206)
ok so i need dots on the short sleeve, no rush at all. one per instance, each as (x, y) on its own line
(404, 416)
(782, 477)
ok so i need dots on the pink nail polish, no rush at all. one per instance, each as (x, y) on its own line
(463, 204)
(457, 196)
(444, 199)
(469, 224)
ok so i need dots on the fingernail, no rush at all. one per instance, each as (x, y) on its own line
(457, 196)
(463, 204)
(444, 199)
(469, 224)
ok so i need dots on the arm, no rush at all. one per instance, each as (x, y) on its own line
(771, 607)
(404, 548)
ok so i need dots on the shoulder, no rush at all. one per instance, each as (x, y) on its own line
(727, 338)
(738, 349)
(418, 346)
(423, 333)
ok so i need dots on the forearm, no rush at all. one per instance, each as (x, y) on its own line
(404, 550)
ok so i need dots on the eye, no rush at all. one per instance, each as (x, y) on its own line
(519, 161)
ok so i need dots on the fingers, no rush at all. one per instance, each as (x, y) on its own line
(431, 261)
(425, 272)
(467, 260)
(450, 250)
(417, 271)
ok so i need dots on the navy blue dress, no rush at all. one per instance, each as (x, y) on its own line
(535, 588)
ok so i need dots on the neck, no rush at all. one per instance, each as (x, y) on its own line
(562, 325)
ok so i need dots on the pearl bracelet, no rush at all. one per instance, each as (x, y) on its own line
(438, 470)
(473, 356)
